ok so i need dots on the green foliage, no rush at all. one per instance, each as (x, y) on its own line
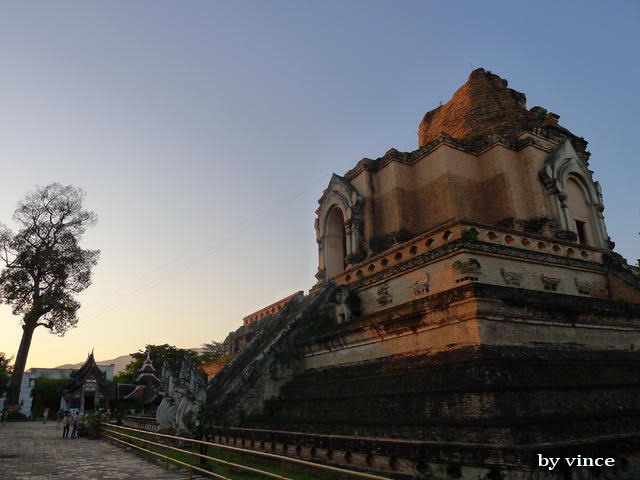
(5, 372)
(17, 416)
(624, 304)
(356, 257)
(541, 112)
(212, 351)
(474, 137)
(158, 353)
(469, 234)
(45, 266)
(46, 393)
(189, 419)
(383, 242)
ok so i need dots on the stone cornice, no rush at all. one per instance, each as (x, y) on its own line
(450, 239)
(409, 315)
(538, 137)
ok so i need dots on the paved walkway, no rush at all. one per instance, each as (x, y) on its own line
(37, 451)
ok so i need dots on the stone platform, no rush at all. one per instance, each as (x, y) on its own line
(36, 451)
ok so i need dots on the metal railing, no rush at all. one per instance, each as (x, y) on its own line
(111, 431)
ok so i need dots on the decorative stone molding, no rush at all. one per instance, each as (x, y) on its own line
(512, 279)
(383, 295)
(539, 137)
(566, 235)
(550, 283)
(477, 246)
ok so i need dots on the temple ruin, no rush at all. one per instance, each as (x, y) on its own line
(469, 312)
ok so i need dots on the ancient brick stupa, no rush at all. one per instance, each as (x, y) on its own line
(485, 106)
(469, 306)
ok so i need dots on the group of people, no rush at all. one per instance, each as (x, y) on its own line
(68, 421)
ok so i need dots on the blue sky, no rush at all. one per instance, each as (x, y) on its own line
(204, 132)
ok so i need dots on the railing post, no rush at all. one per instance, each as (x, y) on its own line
(226, 466)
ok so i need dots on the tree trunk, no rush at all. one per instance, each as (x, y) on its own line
(13, 394)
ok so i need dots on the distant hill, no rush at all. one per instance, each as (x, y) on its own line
(120, 362)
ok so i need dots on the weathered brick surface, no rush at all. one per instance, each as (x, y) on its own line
(501, 395)
(483, 105)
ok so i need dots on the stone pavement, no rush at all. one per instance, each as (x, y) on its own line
(37, 451)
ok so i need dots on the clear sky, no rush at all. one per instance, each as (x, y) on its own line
(205, 131)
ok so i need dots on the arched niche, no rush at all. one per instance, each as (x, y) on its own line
(338, 226)
(580, 211)
(575, 197)
(336, 242)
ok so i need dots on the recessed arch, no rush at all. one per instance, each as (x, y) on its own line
(580, 211)
(574, 196)
(335, 242)
(338, 227)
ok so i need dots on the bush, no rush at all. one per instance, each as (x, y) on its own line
(17, 416)
(46, 393)
(474, 137)
(469, 234)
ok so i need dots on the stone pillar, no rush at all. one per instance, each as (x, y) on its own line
(348, 239)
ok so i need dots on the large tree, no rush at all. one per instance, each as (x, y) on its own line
(44, 266)
(211, 351)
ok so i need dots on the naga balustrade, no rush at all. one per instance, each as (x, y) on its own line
(143, 422)
(139, 439)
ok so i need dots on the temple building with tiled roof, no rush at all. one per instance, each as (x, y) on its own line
(88, 388)
(146, 387)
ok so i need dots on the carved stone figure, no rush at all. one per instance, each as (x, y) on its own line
(343, 312)
(421, 288)
(166, 412)
(468, 266)
(384, 295)
(343, 305)
(511, 278)
(584, 288)
(182, 397)
(550, 283)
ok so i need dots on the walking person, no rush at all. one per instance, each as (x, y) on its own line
(3, 416)
(59, 417)
(45, 414)
(66, 424)
(75, 425)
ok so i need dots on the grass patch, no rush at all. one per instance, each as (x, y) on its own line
(297, 472)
